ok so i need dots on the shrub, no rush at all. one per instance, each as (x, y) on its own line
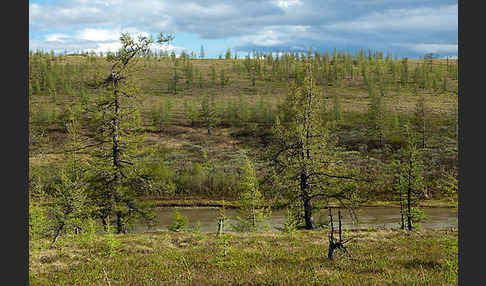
(180, 222)
(38, 222)
(417, 215)
(112, 244)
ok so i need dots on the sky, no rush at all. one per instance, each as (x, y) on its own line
(401, 28)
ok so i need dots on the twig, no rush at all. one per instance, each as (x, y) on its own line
(106, 277)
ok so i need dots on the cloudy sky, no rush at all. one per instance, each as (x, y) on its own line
(401, 27)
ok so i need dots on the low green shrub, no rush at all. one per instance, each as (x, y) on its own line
(179, 223)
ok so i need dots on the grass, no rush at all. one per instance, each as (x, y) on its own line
(381, 257)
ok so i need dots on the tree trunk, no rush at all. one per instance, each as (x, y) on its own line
(332, 243)
(104, 222)
(116, 157)
(220, 226)
(309, 221)
(340, 229)
(330, 253)
(58, 233)
(306, 199)
(401, 212)
(409, 208)
(423, 132)
(253, 217)
(409, 199)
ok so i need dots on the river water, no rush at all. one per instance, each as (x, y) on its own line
(369, 217)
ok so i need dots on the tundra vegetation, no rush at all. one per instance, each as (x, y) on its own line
(113, 135)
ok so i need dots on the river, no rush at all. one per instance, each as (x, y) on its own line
(369, 217)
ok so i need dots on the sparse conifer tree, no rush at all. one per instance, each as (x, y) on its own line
(337, 108)
(161, 114)
(189, 74)
(115, 178)
(410, 180)
(304, 154)
(174, 79)
(228, 55)
(419, 119)
(200, 79)
(376, 115)
(212, 70)
(70, 205)
(224, 79)
(444, 83)
(208, 113)
(190, 112)
(243, 110)
(404, 72)
(252, 202)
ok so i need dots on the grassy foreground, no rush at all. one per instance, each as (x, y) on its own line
(384, 257)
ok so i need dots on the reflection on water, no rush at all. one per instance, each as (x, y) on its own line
(376, 217)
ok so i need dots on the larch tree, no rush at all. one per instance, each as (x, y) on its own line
(116, 181)
(252, 203)
(212, 74)
(208, 113)
(190, 111)
(224, 79)
(227, 56)
(410, 180)
(200, 78)
(399, 190)
(419, 119)
(173, 81)
(161, 114)
(376, 115)
(304, 154)
(337, 108)
(71, 206)
(404, 72)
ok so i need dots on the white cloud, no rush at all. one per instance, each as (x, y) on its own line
(109, 46)
(169, 48)
(97, 40)
(98, 35)
(264, 38)
(78, 11)
(55, 37)
(108, 35)
(274, 35)
(115, 46)
(298, 28)
(288, 3)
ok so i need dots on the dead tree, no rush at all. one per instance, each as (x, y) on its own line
(333, 243)
(220, 226)
(221, 219)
